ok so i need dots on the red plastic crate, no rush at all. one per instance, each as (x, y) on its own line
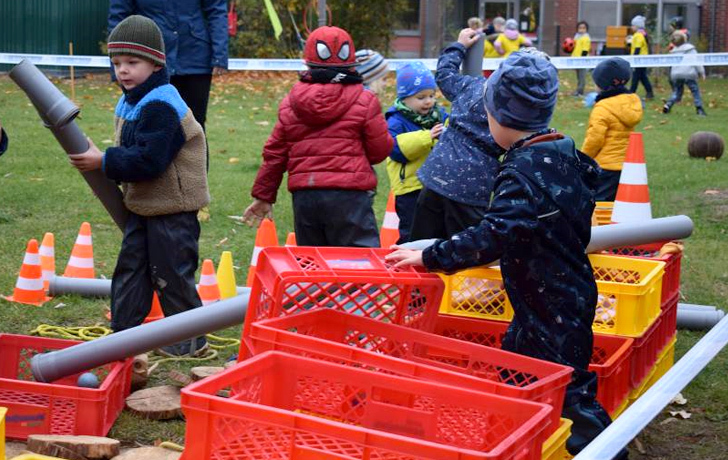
(285, 406)
(610, 357)
(291, 280)
(353, 340)
(60, 407)
(671, 278)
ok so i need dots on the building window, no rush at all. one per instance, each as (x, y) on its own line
(410, 19)
(599, 14)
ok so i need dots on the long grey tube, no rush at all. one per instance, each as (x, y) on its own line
(90, 287)
(690, 306)
(698, 320)
(49, 367)
(473, 62)
(620, 235)
(648, 406)
(58, 114)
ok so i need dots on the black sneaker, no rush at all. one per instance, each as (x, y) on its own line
(701, 112)
(649, 96)
(188, 348)
(666, 108)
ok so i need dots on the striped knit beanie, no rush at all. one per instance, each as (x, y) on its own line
(371, 66)
(137, 36)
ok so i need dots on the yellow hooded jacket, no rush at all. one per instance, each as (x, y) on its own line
(610, 123)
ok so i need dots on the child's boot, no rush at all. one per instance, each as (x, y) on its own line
(666, 108)
(701, 112)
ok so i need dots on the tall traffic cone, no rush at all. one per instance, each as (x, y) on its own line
(29, 287)
(264, 238)
(208, 289)
(81, 262)
(48, 259)
(291, 240)
(156, 311)
(632, 203)
(389, 233)
(226, 276)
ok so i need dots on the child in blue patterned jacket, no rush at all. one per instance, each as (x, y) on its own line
(538, 225)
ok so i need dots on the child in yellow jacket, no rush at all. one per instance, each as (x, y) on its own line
(510, 40)
(616, 113)
(640, 45)
(582, 42)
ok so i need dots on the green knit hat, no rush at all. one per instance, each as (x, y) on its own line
(137, 36)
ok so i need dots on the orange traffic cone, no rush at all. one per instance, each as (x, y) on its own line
(632, 203)
(291, 240)
(156, 312)
(208, 288)
(265, 237)
(48, 259)
(81, 262)
(389, 233)
(29, 287)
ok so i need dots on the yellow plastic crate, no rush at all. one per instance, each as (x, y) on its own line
(603, 212)
(3, 411)
(555, 446)
(664, 362)
(629, 294)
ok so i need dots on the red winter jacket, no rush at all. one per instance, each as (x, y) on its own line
(327, 136)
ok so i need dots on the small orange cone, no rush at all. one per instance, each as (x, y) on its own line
(632, 203)
(48, 259)
(156, 311)
(81, 262)
(29, 287)
(291, 240)
(389, 233)
(208, 288)
(264, 238)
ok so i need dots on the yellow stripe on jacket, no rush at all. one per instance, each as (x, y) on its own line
(415, 146)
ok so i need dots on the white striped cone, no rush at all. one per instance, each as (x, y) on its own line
(48, 259)
(208, 288)
(29, 286)
(81, 262)
(632, 203)
(389, 233)
(266, 236)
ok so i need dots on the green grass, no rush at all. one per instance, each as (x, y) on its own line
(40, 192)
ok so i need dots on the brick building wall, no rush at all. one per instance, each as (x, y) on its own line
(720, 41)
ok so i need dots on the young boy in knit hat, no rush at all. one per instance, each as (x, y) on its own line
(511, 40)
(538, 225)
(160, 160)
(640, 45)
(373, 68)
(415, 122)
(615, 114)
(329, 133)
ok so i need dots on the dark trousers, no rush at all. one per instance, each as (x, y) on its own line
(440, 217)
(159, 254)
(678, 87)
(195, 91)
(639, 75)
(607, 185)
(405, 206)
(325, 217)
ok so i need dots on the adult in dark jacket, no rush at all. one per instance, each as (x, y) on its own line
(538, 225)
(3, 140)
(195, 40)
(329, 133)
(459, 173)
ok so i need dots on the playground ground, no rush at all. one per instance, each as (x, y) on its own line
(40, 192)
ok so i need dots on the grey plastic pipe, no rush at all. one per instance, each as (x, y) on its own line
(49, 367)
(648, 406)
(619, 235)
(698, 320)
(473, 62)
(690, 306)
(89, 287)
(58, 114)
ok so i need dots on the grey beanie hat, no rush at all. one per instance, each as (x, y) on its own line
(371, 65)
(512, 24)
(521, 93)
(639, 21)
(137, 36)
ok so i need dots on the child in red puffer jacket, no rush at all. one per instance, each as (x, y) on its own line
(330, 131)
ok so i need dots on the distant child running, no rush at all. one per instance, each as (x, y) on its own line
(582, 42)
(615, 114)
(330, 131)
(538, 225)
(683, 75)
(458, 175)
(640, 45)
(511, 40)
(415, 122)
(160, 160)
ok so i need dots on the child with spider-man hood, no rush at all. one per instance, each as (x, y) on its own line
(330, 131)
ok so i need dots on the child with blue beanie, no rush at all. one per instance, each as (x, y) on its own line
(458, 175)
(415, 122)
(538, 225)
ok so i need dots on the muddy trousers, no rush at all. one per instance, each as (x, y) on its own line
(158, 254)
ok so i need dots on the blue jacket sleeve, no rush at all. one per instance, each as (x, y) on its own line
(3, 141)
(396, 127)
(158, 135)
(449, 79)
(215, 12)
(512, 215)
